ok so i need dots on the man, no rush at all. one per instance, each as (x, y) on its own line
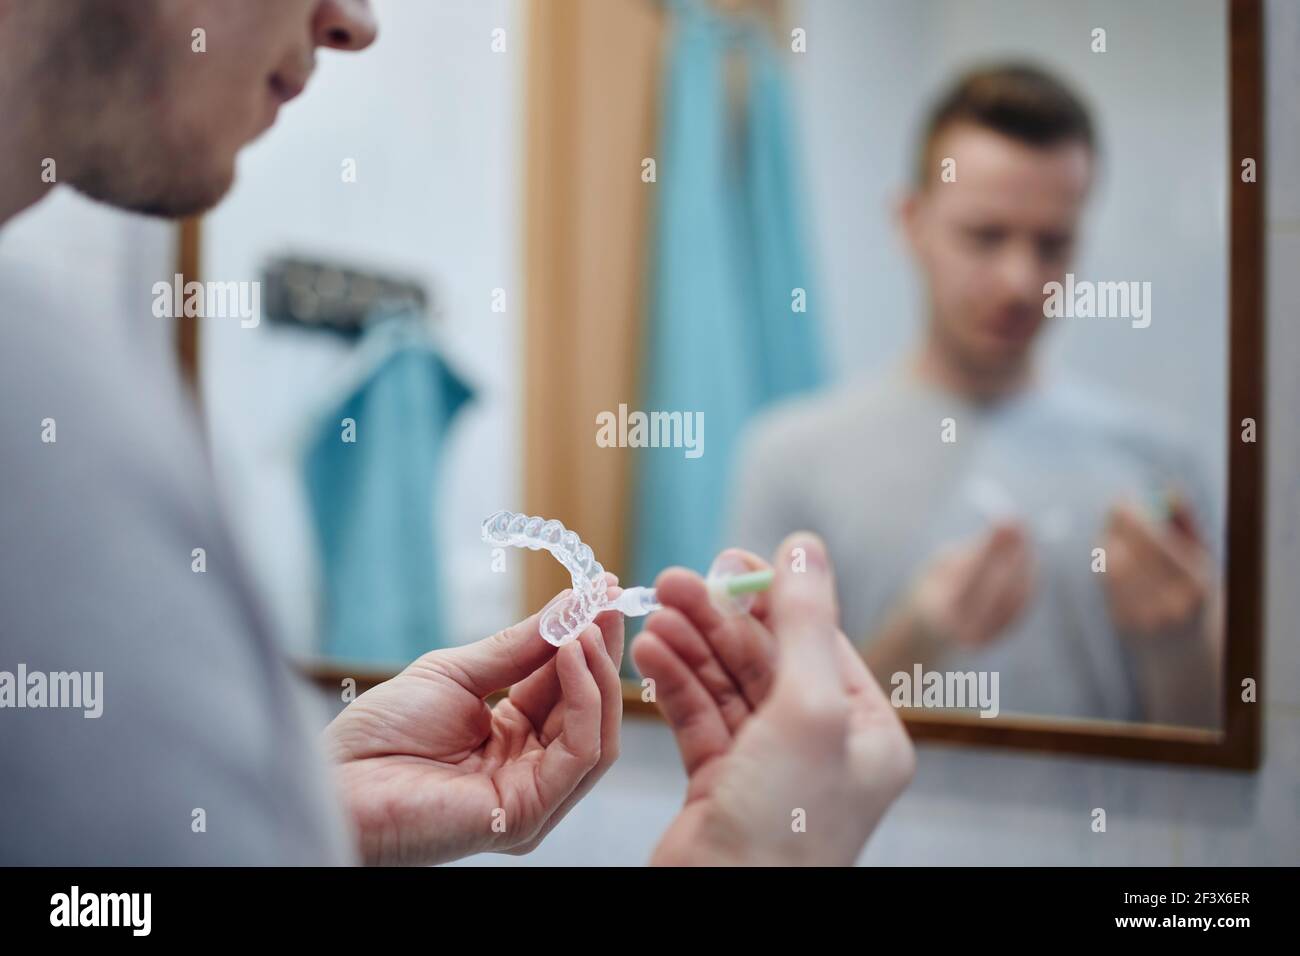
(199, 753)
(963, 496)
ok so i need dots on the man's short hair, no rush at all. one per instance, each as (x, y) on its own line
(1018, 100)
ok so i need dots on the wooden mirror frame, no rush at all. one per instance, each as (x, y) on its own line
(590, 113)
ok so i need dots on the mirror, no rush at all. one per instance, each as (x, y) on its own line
(1020, 217)
(1064, 425)
(989, 295)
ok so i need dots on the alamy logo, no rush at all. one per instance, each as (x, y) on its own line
(651, 430)
(57, 689)
(1098, 300)
(209, 300)
(964, 690)
(75, 908)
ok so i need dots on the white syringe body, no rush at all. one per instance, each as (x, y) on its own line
(636, 602)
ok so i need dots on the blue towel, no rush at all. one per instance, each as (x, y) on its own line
(373, 501)
(722, 337)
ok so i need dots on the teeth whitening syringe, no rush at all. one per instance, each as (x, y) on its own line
(569, 613)
(634, 602)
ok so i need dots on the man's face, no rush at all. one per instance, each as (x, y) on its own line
(988, 242)
(146, 121)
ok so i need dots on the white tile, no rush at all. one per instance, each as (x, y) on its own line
(1003, 808)
(1282, 90)
(1231, 819)
(620, 821)
(1281, 682)
(980, 807)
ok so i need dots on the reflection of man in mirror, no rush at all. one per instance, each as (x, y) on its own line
(982, 516)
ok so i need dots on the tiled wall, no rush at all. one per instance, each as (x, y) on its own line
(1003, 808)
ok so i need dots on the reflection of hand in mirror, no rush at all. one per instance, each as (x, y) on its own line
(1158, 572)
(431, 773)
(777, 720)
(1160, 592)
(968, 595)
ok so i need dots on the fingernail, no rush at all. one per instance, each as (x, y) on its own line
(807, 553)
(726, 564)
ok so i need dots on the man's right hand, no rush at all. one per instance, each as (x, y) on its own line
(792, 750)
(431, 772)
(970, 593)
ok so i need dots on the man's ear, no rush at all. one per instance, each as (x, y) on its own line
(909, 212)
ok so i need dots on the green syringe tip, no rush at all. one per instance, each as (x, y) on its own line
(750, 583)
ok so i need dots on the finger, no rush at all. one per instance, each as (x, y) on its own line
(496, 662)
(1122, 590)
(804, 615)
(748, 652)
(742, 642)
(686, 591)
(537, 694)
(689, 645)
(1009, 598)
(691, 712)
(612, 630)
(576, 749)
(992, 608)
(603, 669)
(734, 561)
(743, 647)
(1181, 517)
(1156, 550)
(803, 601)
(1003, 543)
(1159, 576)
(605, 672)
(1128, 553)
(1021, 592)
(746, 665)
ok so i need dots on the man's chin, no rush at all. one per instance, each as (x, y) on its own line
(996, 361)
(174, 202)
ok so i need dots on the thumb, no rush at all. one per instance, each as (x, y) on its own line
(499, 661)
(1182, 518)
(804, 614)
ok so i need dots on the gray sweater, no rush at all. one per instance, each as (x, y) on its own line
(866, 467)
(204, 751)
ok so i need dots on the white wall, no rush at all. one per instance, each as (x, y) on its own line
(971, 806)
(433, 119)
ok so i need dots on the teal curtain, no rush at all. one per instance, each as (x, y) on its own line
(724, 336)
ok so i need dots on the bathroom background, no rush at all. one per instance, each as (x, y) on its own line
(438, 198)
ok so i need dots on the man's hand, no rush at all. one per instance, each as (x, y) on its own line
(1158, 577)
(966, 596)
(430, 772)
(1162, 592)
(792, 749)
(969, 594)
